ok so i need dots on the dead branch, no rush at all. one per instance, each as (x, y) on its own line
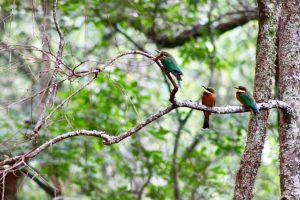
(60, 34)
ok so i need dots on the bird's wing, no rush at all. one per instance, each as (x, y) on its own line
(171, 65)
(249, 101)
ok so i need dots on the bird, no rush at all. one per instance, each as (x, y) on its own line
(245, 97)
(170, 64)
(208, 99)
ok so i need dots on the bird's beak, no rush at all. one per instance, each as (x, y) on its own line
(206, 90)
(238, 90)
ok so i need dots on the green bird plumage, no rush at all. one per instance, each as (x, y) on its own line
(171, 66)
(247, 100)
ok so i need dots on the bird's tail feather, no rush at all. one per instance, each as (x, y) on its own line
(179, 85)
(206, 125)
(206, 122)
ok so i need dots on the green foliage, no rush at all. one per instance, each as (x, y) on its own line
(128, 92)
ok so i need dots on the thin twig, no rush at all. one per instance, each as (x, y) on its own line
(60, 34)
(41, 122)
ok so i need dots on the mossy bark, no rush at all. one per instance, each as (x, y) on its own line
(289, 89)
(264, 72)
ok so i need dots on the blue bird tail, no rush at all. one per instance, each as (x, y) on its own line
(179, 85)
(178, 77)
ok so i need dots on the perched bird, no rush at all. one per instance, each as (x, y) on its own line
(208, 99)
(247, 100)
(171, 65)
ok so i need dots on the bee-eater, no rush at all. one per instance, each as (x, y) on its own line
(208, 99)
(247, 100)
(171, 65)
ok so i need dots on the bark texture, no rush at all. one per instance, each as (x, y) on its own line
(289, 88)
(264, 72)
(11, 186)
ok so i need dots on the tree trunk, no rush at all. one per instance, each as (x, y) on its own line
(11, 181)
(45, 67)
(264, 72)
(11, 185)
(289, 87)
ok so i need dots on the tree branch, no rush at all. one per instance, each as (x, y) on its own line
(40, 181)
(60, 34)
(284, 107)
(109, 139)
(119, 29)
(226, 23)
(43, 120)
(140, 192)
(51, 91)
